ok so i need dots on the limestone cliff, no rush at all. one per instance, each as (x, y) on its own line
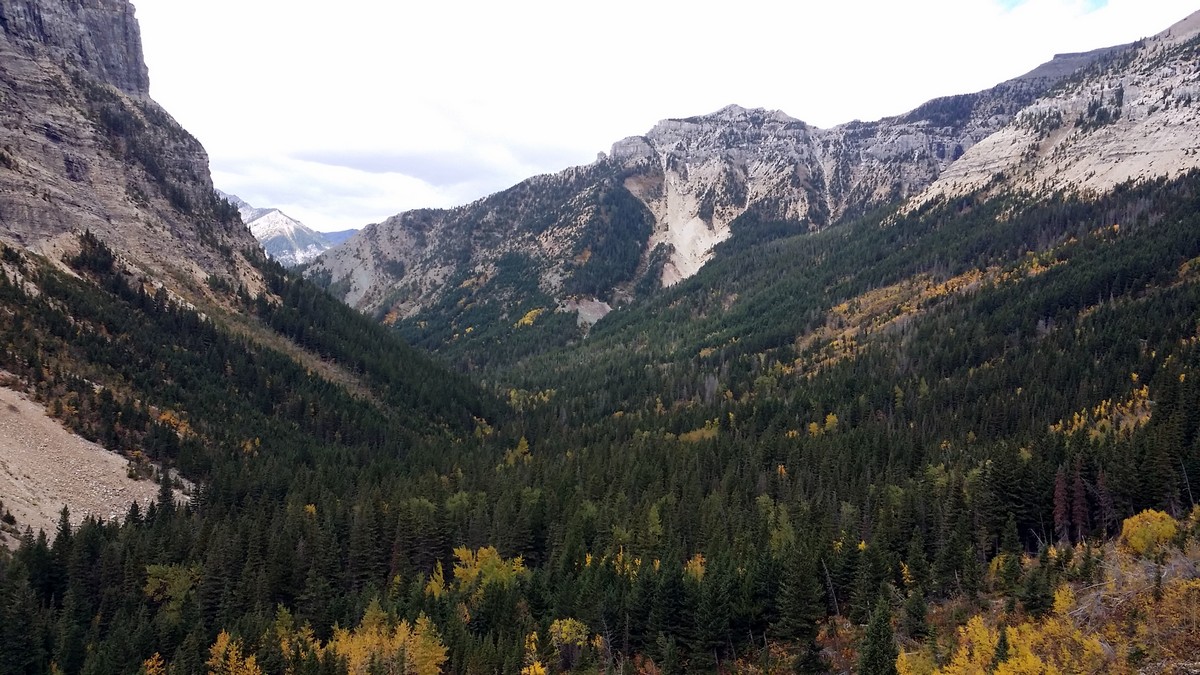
(650, 213)
(1134, 114)
(83, 147)
(99, 36)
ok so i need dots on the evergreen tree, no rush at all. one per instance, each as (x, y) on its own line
(166, 494)
(667, 611)
(1079, 503)
(1036, 593)
(916, 619)
(1062, 507)
(877, 653)
(70, 643)
(713, 618)
(1002, 648)
(916, 560)
(801, 608)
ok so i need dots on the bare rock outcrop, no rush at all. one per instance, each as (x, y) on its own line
(694, 177)
(99, 36)
(83, 147)
(1132, 115)
(1083, 122)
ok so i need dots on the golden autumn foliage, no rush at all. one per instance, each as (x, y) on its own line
(569, 637)
(695, 567)
(437, 582)
(565, 632)
(154, 665)
(174, 420)
(519, 454)
(706, 433)
(1108, 419)
(475, 570)
(530, 317)
(292, 638)
(851, 323)
(532, 666)
(225, 658)
(535, 668)
(1140, 614)
(522, 400)
(1048, 647)
(379, 645)
(1148, 531)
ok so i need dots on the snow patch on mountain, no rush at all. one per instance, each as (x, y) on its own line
(283, 238)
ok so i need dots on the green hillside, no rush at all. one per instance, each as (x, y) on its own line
(739, 473)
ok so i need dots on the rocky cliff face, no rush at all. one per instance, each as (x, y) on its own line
(651, 212)
(99, 36)
(82, 147)
(559, 233)
(698, 175)
(1133, 114)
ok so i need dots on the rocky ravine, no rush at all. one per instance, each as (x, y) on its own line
(672, 195)
(82, 147)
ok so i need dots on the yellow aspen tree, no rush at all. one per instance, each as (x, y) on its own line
(425, 652)
(1148, 531)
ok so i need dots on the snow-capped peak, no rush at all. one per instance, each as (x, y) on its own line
(283, 238)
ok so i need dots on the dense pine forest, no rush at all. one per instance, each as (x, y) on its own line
(962, 439)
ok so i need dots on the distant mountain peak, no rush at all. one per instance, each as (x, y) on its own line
(284, 238)
(736, 114)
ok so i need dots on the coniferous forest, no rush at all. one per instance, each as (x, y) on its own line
(962, 439)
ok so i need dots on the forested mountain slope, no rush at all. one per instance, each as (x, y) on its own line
(945, 415)
(903, 430)
(517, 285)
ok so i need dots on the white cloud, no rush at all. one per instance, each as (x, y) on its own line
(512, 89)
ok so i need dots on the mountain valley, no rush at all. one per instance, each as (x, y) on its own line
(652, 213)
(918, 395)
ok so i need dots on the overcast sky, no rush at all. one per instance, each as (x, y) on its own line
(342, 114)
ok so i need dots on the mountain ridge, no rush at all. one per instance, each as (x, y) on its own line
(284, 238)
(943, 415)
(691, 180)
(1131, 118)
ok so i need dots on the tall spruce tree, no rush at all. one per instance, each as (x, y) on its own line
(801, 608)
(877, 653)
